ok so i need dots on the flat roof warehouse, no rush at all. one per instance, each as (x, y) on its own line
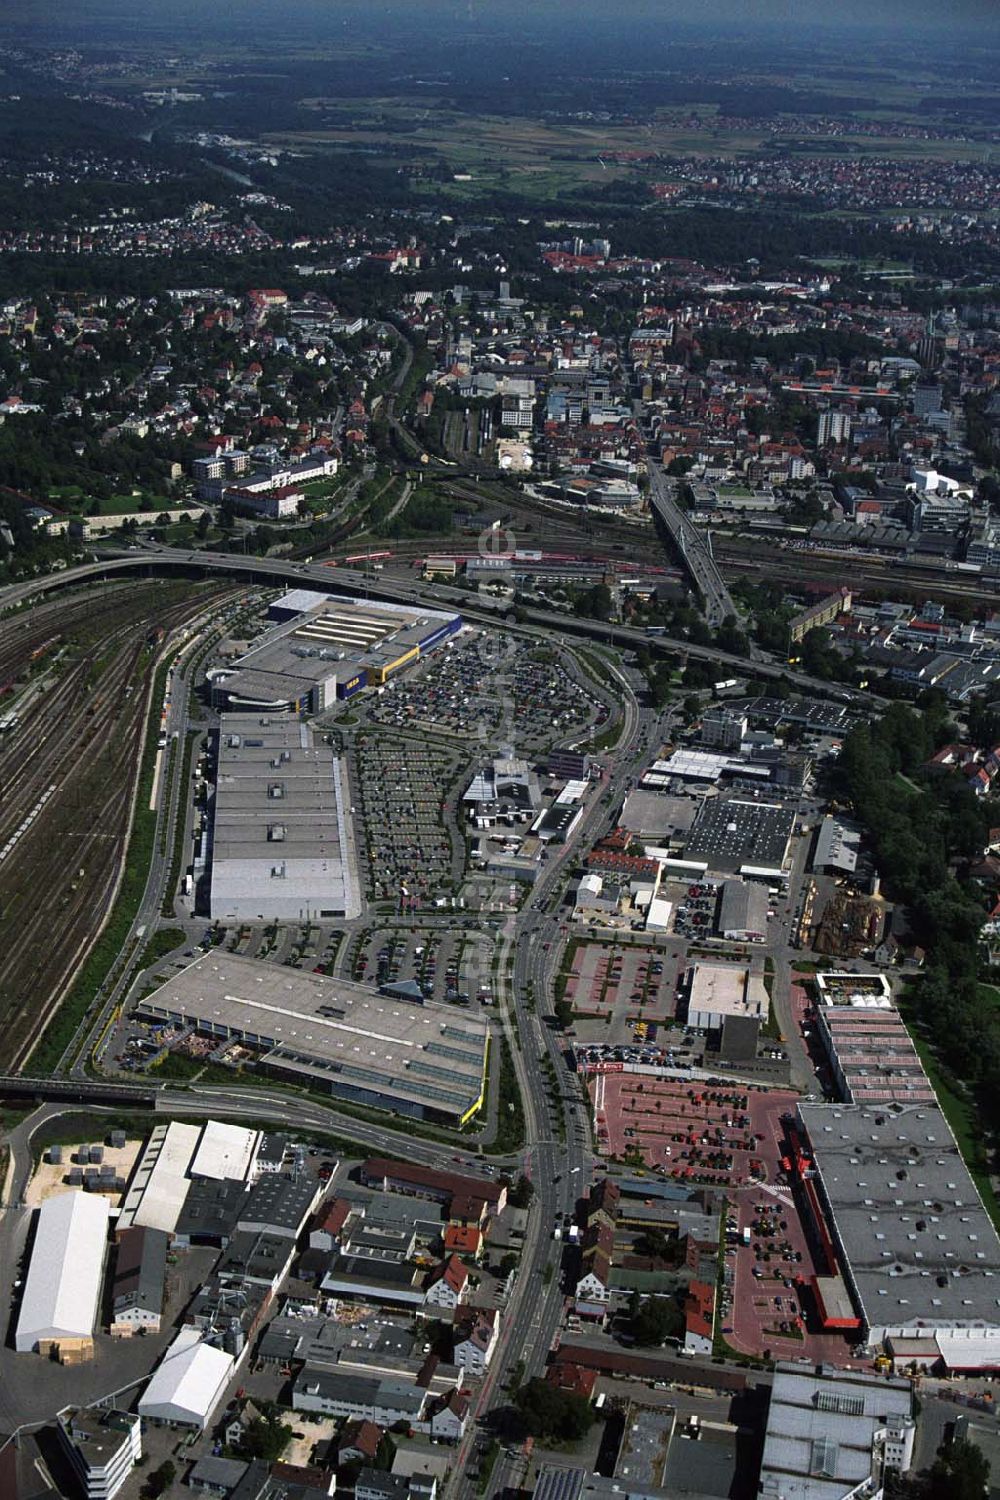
(281, 847)
(734, 835)
(919, 1251)
(328, 647)
(425, 1061)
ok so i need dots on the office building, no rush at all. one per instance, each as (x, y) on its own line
(721, 729)
(103, 1446)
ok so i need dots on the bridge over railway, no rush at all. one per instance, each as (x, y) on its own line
(693, 548)
(339, 580)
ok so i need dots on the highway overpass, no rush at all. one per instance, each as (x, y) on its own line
(340, 580)
(692, 548)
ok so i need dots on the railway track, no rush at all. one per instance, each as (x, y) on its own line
(73, 759)
(876, 574)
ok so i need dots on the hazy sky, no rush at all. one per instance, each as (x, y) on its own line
(906, 15)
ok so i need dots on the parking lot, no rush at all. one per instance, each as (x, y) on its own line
(487, 681)
(448, 965)
(773, 1306)
(302, 945)
(408, 852)
(630, 988)
(691, 1129)
(694, 908)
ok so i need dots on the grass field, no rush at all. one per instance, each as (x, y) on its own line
(546, 159)
(959, 1107)
(72, 498)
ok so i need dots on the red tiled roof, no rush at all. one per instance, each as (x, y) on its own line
(699, 1309)
(334, 1216)
(571, 1377)
(454, 1273)
(363, 1435)
(463, 1238)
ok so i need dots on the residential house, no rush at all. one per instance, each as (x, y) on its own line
(699, 1317)
(359, 1441)
(448, 1420)
(463, 1239)
(448, 1285)
(476, 1334)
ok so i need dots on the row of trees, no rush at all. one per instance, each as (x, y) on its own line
(923, 825)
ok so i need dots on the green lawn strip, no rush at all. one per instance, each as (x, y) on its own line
(510, 1111)
(177, 855)
(959, 1107)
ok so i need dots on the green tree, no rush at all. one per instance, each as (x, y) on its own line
(547, 1412)
(265, 1438)
(960, 1473)
(160, 1480)
(656, 1319)
(521, 1193)
(595, 603)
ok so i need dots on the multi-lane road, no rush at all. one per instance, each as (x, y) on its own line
(272, 570)
(693, 548)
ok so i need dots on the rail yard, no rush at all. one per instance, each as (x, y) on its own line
(68, 771)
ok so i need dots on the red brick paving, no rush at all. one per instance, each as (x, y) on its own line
(628, 1101)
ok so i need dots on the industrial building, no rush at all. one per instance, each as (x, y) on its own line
(102, 1446)
(426, 1061)
(281, 846)
(838, 844)
(137, 1289)
(737, 837)
(743, 911)
(891, 1196)
(324, 649)
(226, 1152)
(834, 1433)
(188, 1383)
(716, 991)
(63, 1286)
(160, 1182)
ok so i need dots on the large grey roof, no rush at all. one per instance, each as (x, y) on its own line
(731, 832)
(820, 1427)
(279, 829)
(332, 1030)
(140, 1269)
(919, 1243)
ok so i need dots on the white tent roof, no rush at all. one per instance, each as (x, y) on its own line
(64, 1278)
(188, 1382)
(969, 1348)
(225, 1151)
(160, 1183)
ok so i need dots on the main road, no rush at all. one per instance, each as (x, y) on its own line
(693, 547)
(270, 570)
